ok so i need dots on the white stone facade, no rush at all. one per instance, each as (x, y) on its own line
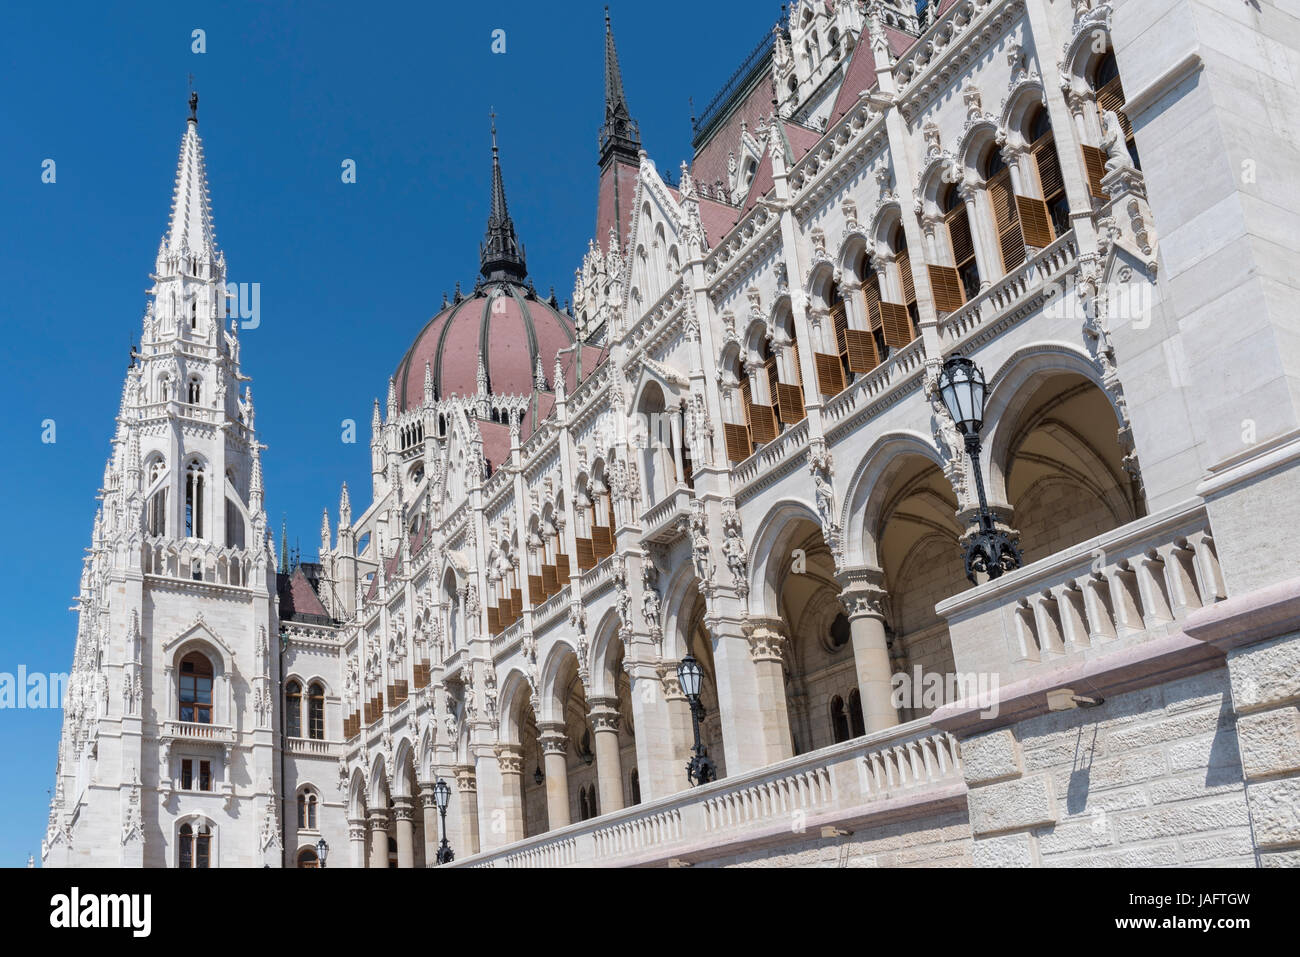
(1120, 263)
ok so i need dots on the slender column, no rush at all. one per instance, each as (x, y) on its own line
(429, 809)
(767, 648)
(663, 728)
(863, 602)
(357, 840)
(467, 788)
(609, 766)
(404, 813)
(510, 762)
(977, 229)
(555, 744)
(744, 740)
(377, 821)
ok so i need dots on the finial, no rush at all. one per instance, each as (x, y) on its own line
(194, 104)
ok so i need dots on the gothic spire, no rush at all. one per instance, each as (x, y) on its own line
(191, 239)
(501, 257)
(619, 136)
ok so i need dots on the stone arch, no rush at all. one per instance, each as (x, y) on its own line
(770, 553)
(1024, 96)
(977, 138)
(888, 213)
(358, 792)
(861, 510)
(855, 244)
(554, 670)
(679, 594)
(377, 789)
(516, 692)
(606, 648)
(1010, 388)
(403, 762)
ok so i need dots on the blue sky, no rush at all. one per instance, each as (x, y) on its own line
(348, 273)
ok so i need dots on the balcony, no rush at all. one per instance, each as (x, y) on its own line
(197, 732)
(662, 522)
(312, 748)
(902, 772)
(1131, 585)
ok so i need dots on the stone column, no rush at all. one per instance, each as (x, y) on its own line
(404, 814)
(429, 809)
(510, 762)
(467, 793)
(663, 728)
(357, 840)
(744, 742)
(609, 767)
(768, 646)
(555, 744)
(377, 821)
(863, 602)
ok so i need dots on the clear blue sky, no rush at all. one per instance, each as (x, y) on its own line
(348, 273)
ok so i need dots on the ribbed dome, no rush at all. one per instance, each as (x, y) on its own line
(498, 322)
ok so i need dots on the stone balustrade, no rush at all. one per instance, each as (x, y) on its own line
(908, 770)
(1127, 586)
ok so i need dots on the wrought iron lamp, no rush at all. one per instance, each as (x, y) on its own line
(322, 851)
(441, 795)
(989, 550)
(701, 769)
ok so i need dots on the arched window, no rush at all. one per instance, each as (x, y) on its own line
(961, 240)
(316, 711)
(839, 720)
(194, 500)
(194, 846)
(899, 326)
(293, 709)
(195, 392)
(194, 313)
(195, 699)
(307, 858)
(157, 512)
(997, 180)
(1042, 145)
(856, 724)
(307, 803)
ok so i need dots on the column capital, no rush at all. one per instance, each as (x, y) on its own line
(356, 828)
(553, 737)
(510, 758)
(466, 778)
(604, 714)
(404, 808)
(767, 638)
(377, 818)
(667, 671)
(863, 592)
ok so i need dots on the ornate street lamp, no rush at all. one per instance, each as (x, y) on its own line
(701, 769)
(322, 851)
(441, 795)
(989, 550)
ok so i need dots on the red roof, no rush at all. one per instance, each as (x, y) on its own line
(297, 597)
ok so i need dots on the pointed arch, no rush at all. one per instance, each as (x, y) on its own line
(874, 471)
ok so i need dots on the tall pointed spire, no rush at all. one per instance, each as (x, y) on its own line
(620, 135)
(501, 257)
(191, 239)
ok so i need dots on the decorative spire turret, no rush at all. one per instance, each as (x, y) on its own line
(191, 239)
(501, 257)
(619, 136)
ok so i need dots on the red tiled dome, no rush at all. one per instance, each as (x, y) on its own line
(500, 322)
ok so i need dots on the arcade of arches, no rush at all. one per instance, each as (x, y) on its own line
(822, 658)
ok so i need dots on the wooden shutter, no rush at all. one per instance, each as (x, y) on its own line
(586, 554)
(959, 236)
(1094, 164)
(904, 263)
(602, 541)
(789, 400)
(1035, 223)
(945, 284)
(839, 322)
(516, 603)
(861, 350)
(762, 422)
(550, 581)
(1049, 166)
(871, 301)
(896, 323)
(562, 569)
(494, 620)
(1010, 240)
(738, 444)
(830, 374)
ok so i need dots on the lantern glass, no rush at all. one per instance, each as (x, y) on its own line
(689, 674)
(441, 794)
(962, 388)
(322, 850)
